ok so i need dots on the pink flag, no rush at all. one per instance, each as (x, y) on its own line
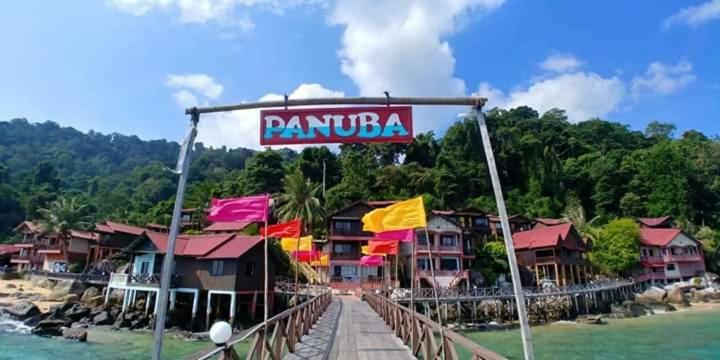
(404, 235)
(371, 260)
(250, 209)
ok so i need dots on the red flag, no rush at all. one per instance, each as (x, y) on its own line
(290, 229)
(250, 209)
(306, 256)
(383, 247)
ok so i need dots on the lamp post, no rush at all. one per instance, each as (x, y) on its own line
(220, 334)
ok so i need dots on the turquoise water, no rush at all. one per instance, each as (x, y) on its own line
(101, 345)
(680, 335)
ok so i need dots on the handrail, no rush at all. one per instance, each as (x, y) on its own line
(494, 293)
(285, 330)
(82, 277)
(402, 321)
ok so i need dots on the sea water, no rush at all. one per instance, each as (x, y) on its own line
(693, 334)
(17, 343)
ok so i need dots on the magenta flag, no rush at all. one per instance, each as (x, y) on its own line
(405, 235)
(371, 260)
(247, 209)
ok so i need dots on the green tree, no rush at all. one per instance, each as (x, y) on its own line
(659, 130)
(301, 199)
(710, 240)
(617, 248)
(264, 172)
(62, 216)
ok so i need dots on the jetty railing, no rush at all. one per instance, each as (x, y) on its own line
(422, 340)
(283, 332)
(455, 294)
(85, 278)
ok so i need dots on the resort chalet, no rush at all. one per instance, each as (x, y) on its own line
(345, 239)
(553, 253)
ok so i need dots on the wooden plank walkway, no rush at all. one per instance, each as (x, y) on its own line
(350, 330)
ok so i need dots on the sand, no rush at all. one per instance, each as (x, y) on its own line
(28, 287)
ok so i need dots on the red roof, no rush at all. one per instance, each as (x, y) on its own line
(234, 248)
(658, 237)
(82, 234)
(382, 203)
(189, 245)
(30, 225)
(548, 236)
(653, 222)
(112, 227)
(227, 226)
(550, 221)
(6, 249)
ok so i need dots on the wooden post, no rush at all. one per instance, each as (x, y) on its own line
(557, 275)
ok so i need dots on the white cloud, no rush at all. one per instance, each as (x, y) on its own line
(662, 79)
(561, 63)
(583, 95)
(695, 15)
(199, 84)
(398, 46)
(239, 128)
(223, 12)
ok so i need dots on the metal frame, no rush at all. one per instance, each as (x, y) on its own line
(476, 102)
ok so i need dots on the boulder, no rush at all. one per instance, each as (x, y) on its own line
(10, 286)
(590, 319)
(76, 334)
(77, 312)
(23, 310)
(34, 320)
(48, 327)
(95, 301)
(103, 318)
(640, 310)
(89, 293)
(677, 296)
(65, 287)
(70, 298)
(651, 295)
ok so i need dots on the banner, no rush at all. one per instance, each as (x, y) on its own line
(291, 244)
(250, 209)
(377, 124)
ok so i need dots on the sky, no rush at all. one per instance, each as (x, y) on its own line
(132, 66)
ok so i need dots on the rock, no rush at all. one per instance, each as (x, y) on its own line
(103, 318)
(651, 295)
(590, 319)
(95, 301)
(70, 298)
(77, 312)
(114, 313)
(65, 287)
(677, 296)
(23, 310)
(140, 304)
(662, 307)
(34, 320)
(640, 310)
(76, 334)
(89, 293)
(10, 286)
(48, 327)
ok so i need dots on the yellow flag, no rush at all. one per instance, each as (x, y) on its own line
(324, 261)
(291, 244)
(408, 214)
(366, 250)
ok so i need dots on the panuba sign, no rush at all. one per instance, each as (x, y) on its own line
(377, 124)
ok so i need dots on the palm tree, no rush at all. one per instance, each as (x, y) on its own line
(575, 214)
(62, 216)
(301, 199)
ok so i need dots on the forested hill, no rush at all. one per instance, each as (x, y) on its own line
(546, 164)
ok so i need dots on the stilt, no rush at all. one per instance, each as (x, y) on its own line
(147, 302)
(107, 295)
(125, 300)
(575, 301)
(196, 298)
(157, 304)
(173, 298)
(253, 306)
(207, 310)
(587, 307)
(233, 297)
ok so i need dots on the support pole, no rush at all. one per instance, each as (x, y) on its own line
(413, 259)
(167, 268)
(435, 294)
(266, 334)
(512, 260)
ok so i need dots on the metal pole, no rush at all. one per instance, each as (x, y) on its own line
(507, 236)
(413, 260)
(267, 281)
(167, 268)
(435, 293)
(464, 100)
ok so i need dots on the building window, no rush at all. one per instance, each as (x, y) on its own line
(343, 226)
(421, 239)
(452, 264)
(349, 271)
(449, 240)
(423, 264)
(670, 267)
(664, 251)
(544, 253)
(250, 269)
(480, 221)
(343, 248)
(217, 268)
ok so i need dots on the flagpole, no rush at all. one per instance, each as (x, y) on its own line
(435, 293)
(297, 249)
(167, 266)
(507, 235)
(267, 281)
(412, 295)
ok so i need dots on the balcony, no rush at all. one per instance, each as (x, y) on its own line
(422, 247)
(143, 280)
(682, 257)
(50, 249)
(27, 259)
(652, 259)
(345, 256)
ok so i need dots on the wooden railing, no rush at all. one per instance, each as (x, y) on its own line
(86, 278)
(402, 321)
(284, 331)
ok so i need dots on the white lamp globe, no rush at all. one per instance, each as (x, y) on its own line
(220, 332)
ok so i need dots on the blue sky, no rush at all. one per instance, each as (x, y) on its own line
(130, 66)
